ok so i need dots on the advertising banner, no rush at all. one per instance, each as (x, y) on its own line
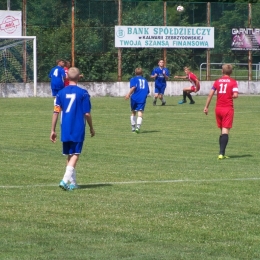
(163, 37)
(245, 39)
(10, 23)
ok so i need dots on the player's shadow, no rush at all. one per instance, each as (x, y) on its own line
(240, 156)
(148, 132)
(94, 186)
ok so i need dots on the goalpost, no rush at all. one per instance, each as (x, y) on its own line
(18, 61)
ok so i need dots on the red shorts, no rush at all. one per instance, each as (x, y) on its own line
(192, 88)
(224, 116)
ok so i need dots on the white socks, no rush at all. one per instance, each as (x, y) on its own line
(68, 174)
(139, 121)
(73, 177)
(133, 122)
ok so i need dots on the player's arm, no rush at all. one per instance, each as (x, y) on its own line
(165, 74)
(235, 90)
(153, 74)
(211, 93)
(235, 95)
(132, 89)
(89, 121)
(180, 77)
(55, 116)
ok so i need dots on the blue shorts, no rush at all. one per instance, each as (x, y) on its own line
(54, 92)
(69, 148)
(159, 90)
(137, 106)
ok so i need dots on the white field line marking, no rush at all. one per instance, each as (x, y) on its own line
(133, 182)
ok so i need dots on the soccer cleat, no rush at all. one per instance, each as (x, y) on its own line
(164, 103)
(182, 101)
(154, 102)
(192, 102)
(133, 131)
(221, 157)
(73, 187)
(63, 185)
(137, 130)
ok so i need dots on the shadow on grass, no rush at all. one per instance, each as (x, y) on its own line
(148, 132)
(93, 186)
(240, 156)
(170, 105)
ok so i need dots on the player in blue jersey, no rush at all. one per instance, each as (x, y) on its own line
(160, 74)
(74, 104)
(57, 76)
(139, 89)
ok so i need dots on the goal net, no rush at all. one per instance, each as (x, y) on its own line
(17, 62)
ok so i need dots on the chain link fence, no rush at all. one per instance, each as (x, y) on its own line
(83, 31)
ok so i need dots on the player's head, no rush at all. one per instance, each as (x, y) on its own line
(138, 71)
(73, 74)
(67, 63)
(186, 69)
(60, 62)
(227, 69)
(161, 63)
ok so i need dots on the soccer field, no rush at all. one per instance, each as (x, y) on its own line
(160, 194)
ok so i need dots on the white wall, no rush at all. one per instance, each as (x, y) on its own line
(118, 89)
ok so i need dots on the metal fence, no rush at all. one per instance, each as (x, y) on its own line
(83, 32)
(240, 71)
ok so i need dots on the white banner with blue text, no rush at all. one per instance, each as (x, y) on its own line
(164, 37)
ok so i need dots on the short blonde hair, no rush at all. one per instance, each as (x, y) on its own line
(138, 71)
(227, 69)
(73, 73)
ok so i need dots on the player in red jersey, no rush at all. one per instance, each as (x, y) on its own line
(194, 88)
(66, 68)
(227, 90)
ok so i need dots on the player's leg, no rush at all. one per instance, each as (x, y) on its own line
(223, 142)
(188, 94)
(72, 150)
(72, 163)
(139, 121)
(184, 95)
(156, 94)
(162, 90)
(140, 109)
(133, 115)
(226, 116)
(133, 120)
(54, 92)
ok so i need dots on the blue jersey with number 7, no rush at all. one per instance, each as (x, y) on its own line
(74, 103)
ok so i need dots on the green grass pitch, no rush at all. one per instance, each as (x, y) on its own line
(160, 194)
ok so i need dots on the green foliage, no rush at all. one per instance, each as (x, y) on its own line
(95, 53)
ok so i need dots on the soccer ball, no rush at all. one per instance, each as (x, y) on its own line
(180, 8)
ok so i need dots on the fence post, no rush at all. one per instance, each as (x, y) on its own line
(119, 51)
(249, 52)
(164, 24)
(208, 50)
(72, 33)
